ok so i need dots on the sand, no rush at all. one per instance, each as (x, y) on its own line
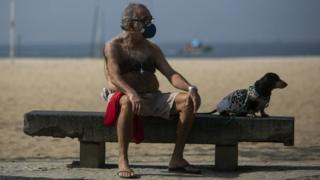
(75, 84)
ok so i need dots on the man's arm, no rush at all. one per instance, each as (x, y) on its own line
(112, 54)
(175, 78)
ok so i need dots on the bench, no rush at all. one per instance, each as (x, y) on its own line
(224, 132)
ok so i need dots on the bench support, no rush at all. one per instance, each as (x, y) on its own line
(92, 154)
(226, 157)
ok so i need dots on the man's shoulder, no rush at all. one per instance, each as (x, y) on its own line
(153, 46)
(112, 48)
(114, 42)
(112, 45)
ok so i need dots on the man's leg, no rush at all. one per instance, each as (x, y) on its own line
(124, 133)
(186, 118)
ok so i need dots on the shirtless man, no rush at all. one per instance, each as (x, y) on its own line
(131, 61)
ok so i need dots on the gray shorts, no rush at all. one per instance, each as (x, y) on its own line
(156, 104)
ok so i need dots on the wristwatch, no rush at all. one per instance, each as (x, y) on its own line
(192, 88)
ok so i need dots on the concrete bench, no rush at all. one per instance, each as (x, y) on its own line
(224, 132)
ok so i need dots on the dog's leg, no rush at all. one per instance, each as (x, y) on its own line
(253, 115)
(242, 114)
(224, 113)
(263, 114)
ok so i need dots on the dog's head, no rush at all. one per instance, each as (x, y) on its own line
(268, 82)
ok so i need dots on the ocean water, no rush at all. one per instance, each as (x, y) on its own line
(170, 50)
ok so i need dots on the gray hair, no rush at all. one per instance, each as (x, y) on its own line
(130, 13)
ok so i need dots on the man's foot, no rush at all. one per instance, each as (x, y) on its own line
(128, 174)
(182, 166)
(186, 169)
(124, 169)
(177, 162)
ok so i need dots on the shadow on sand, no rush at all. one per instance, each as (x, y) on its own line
(211, 171)
(279, 153)
(207, 171)
(32, 178)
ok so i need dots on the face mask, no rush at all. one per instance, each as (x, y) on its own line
(149, 31)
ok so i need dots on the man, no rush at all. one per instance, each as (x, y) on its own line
(131, 61)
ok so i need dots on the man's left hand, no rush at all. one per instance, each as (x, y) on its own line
(195, 97)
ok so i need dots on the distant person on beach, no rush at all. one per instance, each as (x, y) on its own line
(130, 64)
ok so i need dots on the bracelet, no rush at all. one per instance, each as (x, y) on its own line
(191, 88)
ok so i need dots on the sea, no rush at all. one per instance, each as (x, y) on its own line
(171, 50)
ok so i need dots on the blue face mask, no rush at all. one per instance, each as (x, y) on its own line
(149, 31)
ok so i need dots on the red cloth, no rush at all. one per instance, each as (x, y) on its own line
(111, 116)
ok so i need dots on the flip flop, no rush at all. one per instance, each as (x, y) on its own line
(186, 169)
(129, 172)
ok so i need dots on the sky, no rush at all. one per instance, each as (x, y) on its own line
(223, 21)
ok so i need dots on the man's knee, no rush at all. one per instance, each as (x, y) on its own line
(185, 103)
(125, 104)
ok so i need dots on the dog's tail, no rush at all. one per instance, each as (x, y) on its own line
(211, 112)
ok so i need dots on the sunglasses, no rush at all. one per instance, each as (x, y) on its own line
(145, 20)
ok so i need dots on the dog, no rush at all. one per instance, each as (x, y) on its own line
(249, 101)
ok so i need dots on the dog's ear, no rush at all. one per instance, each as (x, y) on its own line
(261, 83)
(270, 76)
(265, 85)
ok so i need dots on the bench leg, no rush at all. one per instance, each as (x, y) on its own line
(226, 157)
(92, 154)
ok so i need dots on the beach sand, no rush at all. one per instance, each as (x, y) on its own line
(75, 84)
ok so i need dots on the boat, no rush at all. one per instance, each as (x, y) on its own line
(196, 47)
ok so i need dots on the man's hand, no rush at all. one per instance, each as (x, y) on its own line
(136, 102)
(195, 98)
